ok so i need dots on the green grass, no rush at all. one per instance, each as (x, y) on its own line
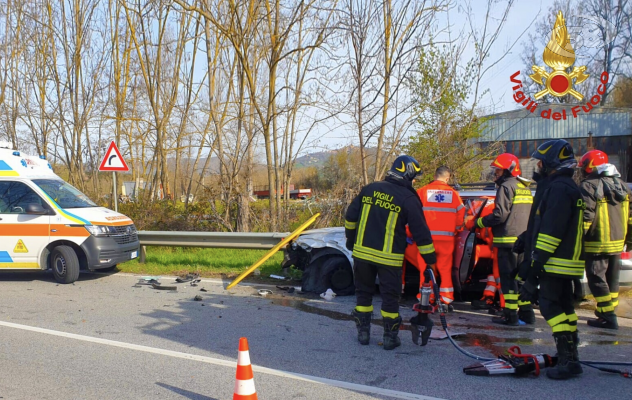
(225, 263)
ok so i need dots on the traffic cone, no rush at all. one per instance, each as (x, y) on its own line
(244, 382)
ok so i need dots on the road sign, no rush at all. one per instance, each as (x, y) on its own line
(113, 161)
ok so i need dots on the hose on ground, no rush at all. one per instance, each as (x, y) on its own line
(592, 364)
(444, 323)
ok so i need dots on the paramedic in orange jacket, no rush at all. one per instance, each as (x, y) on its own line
(444, 213)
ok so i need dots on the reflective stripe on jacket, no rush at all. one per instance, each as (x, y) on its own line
(558, 227)
(443, 209)
(511, 213)
(376, 223)
(607, 215)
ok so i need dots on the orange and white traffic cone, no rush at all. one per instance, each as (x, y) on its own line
(245, 382)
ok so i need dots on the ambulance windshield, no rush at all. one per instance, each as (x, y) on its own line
(64, 194)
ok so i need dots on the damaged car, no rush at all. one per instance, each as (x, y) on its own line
(326, 263)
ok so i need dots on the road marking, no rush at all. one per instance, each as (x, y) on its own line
(224, 363)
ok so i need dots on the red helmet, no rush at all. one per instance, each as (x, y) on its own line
(592, 159)
(509, 162)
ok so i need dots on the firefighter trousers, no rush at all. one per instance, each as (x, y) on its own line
(445, 258)
(390, 277)
(602, 273)
(507, 262)
(556, 303)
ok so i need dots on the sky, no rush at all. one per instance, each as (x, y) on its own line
(496, 80)
(520, 22)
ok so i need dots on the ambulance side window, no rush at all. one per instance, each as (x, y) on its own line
(15, 196)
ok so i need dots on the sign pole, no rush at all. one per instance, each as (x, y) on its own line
(115, 195)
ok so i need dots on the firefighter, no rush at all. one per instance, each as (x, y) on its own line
(508, 220)
(606, 227)
(444, 212)
(375, 227)
(554, 240)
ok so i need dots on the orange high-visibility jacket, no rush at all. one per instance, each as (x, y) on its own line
(443, 209)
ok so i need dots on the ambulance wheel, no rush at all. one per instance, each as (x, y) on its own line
(65, 264)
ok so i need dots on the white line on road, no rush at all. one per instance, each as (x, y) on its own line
(224, 363)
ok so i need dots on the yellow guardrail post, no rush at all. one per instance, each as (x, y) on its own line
(273, 250)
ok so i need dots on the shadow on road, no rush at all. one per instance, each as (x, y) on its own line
(44, 276)
(288, 332)
(185, 393)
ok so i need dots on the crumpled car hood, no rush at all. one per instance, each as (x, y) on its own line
(325, 237)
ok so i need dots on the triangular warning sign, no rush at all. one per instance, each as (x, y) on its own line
(113, 161)
(20, 247)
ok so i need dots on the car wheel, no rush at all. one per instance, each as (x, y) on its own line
(65, 264)
(337, 274)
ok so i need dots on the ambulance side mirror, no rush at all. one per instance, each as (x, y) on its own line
(36, 209)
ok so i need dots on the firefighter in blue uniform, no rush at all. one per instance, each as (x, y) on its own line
(554, 241)
(375, 227)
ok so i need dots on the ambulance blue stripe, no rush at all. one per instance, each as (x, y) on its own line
(5, 257)
(66, 212)
(4, 166)
(75, 216)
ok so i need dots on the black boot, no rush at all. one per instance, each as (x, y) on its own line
(509, 318)
(604, 320)
(391, 330)
(526, 314)
(363, 323)
(574, 366)
(565, 364)
(495, 309)
(482, 304)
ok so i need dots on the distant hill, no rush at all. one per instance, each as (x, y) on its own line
(317, 159)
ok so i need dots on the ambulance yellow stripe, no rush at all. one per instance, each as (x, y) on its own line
(66, 214)
(19, 266)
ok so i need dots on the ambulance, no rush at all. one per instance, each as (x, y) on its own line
(45, 223)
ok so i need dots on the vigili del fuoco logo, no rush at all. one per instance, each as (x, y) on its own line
(559, 55)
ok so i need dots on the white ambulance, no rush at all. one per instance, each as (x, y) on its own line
(45, 223)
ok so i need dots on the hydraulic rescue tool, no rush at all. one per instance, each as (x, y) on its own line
(514, 362)
(421, 325)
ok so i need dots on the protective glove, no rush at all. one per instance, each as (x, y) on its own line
(529, 289)
(523, 270)
(514, 274)
(518, 247)
(409, 240)
(349, 244)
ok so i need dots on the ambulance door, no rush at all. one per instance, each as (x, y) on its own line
(24, 226)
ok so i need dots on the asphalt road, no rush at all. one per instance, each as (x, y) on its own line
(102, 338)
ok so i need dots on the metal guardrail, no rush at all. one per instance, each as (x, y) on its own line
(226, 240)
